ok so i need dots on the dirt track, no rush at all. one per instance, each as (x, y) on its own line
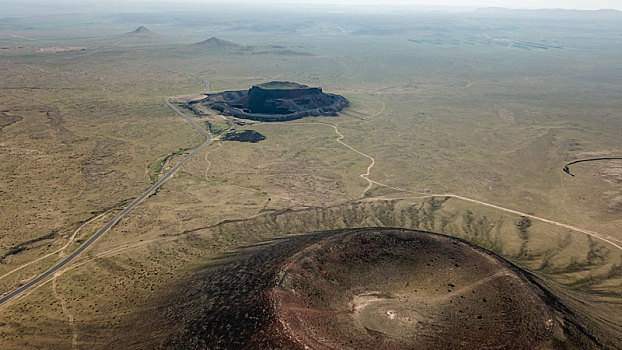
(10, 295)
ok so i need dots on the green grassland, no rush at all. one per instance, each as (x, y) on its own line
(461, 115)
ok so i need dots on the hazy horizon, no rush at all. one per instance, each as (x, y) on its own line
(510, 4)
(41, 7)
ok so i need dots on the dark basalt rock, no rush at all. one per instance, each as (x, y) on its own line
(276, 101)
(251, 136)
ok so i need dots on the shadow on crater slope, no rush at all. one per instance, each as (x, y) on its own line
(373, 288)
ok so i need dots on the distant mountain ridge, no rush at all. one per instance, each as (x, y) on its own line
(564, 13)
(221, 44)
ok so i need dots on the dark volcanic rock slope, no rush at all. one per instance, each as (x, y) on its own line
(276, 101)
(362, 289)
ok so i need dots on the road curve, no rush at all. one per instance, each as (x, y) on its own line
(117, 218)
(567, 166)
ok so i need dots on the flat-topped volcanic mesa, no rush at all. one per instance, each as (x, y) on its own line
(276, 101)
(371, 288)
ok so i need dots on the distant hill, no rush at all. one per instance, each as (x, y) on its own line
(215, 42)
(143, 36)
(140, 31)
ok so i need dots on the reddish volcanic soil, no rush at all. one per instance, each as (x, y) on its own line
(372, 288)
(402, 290)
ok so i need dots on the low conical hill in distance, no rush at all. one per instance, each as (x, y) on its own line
(215, 42)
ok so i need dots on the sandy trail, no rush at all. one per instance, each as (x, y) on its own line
(339, 139)
(60, 251)
(373, 161)
(601, 236)
(37, 68)
(74, 337)
(209, 165)
(617, 243)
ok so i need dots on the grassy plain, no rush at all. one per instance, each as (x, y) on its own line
(87, 131)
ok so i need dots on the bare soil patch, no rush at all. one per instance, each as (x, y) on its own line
(55, 49)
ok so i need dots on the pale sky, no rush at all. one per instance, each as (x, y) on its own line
(31, 7)
(522, 4)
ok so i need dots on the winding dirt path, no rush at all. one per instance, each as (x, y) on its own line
(60, 251)
(339, 139)
(74, 335)
(617, 243)
(373, 161)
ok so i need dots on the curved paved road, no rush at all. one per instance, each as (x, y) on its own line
(567, 166)
(117, 218)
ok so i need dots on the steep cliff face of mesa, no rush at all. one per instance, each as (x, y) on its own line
(275, 101)
(278, 101)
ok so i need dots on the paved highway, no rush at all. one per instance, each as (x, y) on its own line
(117, 218)
(567, 166)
